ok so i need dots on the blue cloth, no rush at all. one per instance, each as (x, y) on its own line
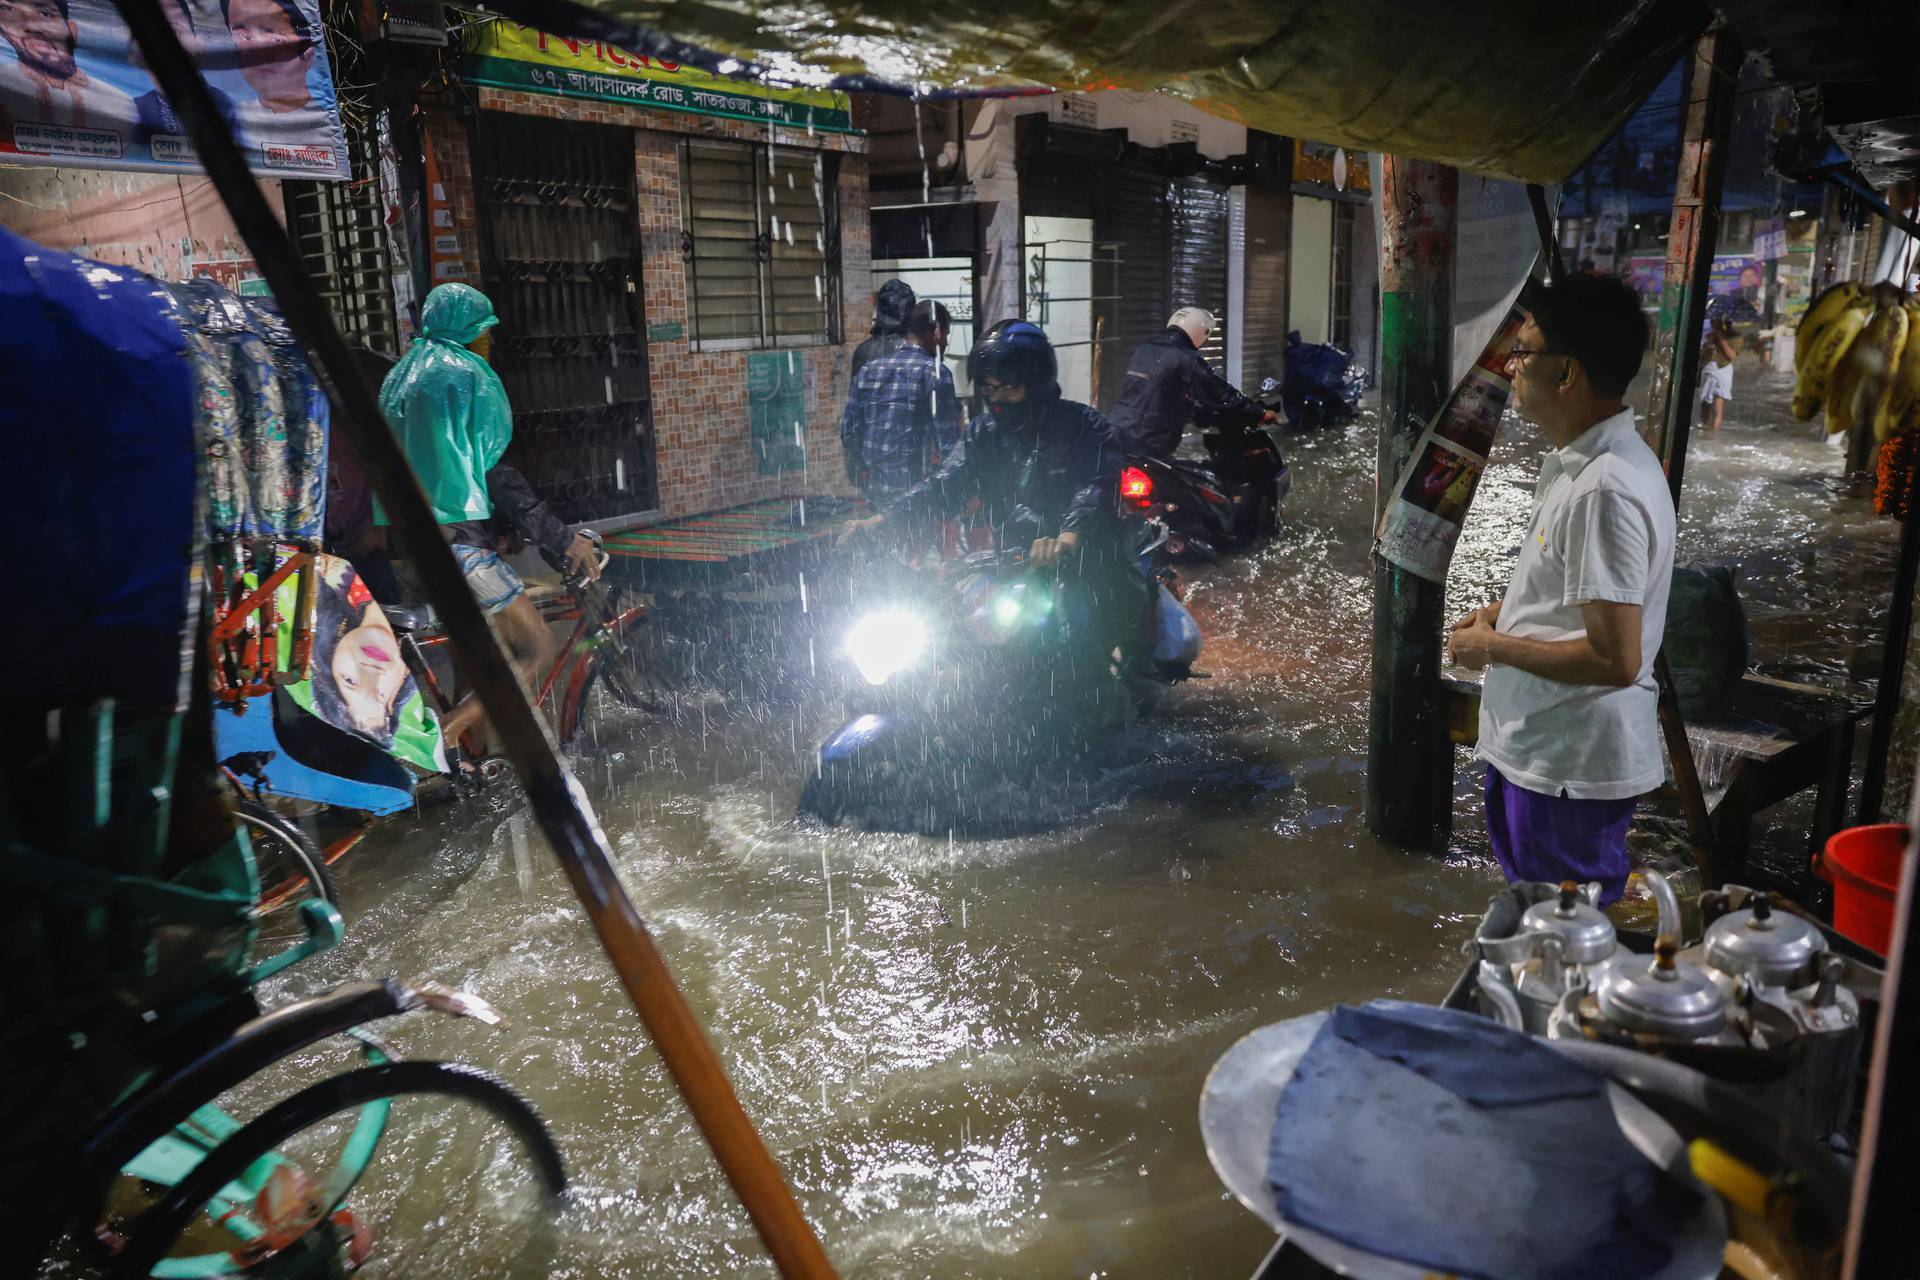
(1479, 1061)
(1555, 838)
(1448, 1142)
(902, 418)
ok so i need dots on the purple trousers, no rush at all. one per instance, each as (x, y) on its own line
(1555, 838)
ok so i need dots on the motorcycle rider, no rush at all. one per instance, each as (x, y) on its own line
(1169, 385)
(1046, 470)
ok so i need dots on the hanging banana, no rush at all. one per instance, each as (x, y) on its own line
(1821, 349)
(1901, 412)
(1821, 312)
(1872, 359)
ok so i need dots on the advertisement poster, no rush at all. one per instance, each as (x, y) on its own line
(75, 92)
(1733, 273)
(356, 681)
(506, 55)
(1647, 274)
(445, 259)
(1422, 520)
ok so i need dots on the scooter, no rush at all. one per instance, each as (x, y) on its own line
(963, 685)
(1227, 503)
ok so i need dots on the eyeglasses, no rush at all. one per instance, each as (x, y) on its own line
(1517, 354)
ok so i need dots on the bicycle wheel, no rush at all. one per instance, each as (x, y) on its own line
(227, 1187)
(291, 870)
(625, 660)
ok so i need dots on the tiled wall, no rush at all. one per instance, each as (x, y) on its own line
(703, 447)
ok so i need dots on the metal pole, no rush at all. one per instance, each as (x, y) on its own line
(1893, 661)
(1692, 236)
(575, 836)
(1409, 755)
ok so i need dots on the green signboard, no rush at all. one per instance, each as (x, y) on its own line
(777, 410)
(506, 55)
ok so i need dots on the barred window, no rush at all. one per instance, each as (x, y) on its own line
(760, 233)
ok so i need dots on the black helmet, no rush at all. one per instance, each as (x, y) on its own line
(1015, 352)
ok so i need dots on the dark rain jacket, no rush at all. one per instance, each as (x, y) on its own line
(1064, 471)
(892, 308)
(1170, 385)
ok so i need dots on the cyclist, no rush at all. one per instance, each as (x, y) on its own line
(448, 408)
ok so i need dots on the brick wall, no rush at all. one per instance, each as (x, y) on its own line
(156, 223)
(703, 445)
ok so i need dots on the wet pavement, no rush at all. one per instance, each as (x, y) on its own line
(983, 1058)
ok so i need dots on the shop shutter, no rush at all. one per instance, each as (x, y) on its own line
(1130, 213)
(1263, 320)
(1197, 257)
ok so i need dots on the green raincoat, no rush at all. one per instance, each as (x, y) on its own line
(447, 406)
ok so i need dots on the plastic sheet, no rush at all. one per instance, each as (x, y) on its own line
(447, 406)
(1467, 84)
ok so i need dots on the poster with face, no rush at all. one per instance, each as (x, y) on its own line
(75, 92)
(356, 681)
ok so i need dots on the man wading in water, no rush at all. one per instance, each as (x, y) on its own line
(1568, 710)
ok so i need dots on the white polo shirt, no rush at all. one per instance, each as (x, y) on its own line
(1602, 529)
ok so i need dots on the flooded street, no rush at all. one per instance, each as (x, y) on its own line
(982, 1058)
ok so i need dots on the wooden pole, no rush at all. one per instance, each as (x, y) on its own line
(1692, 236)
(575, 836)
(1409, 753)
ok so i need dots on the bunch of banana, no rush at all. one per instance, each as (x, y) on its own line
(1833, 321)
(1858, 357)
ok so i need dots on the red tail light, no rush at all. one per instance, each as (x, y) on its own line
(1136, 485)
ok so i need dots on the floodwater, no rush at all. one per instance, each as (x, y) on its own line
(983, 1058)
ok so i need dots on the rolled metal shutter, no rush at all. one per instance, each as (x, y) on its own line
(1131, 214)
(1197, 257)
(1263, 321)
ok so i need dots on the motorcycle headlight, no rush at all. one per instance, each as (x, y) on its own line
(883, 644)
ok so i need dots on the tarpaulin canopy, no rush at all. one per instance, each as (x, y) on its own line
(1491, 88)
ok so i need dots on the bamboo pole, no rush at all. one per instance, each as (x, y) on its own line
(575, 836)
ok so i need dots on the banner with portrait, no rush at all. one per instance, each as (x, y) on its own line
(75, 92)
(1421, 523)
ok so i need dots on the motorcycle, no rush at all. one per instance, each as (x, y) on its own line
(968, 681)
(1320, 386)
(1226, 503)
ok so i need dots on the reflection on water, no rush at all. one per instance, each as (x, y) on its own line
(984, 1058)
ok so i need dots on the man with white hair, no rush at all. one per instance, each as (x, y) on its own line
(1169, 385)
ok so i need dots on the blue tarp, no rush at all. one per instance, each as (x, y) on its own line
(100, 510)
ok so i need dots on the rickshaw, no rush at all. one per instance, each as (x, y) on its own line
(325, 700)
(131, 901)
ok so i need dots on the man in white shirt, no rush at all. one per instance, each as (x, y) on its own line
(1569, 722)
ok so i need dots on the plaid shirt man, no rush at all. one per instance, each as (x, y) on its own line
(901, 419)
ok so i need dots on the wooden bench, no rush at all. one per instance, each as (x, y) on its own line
(1777, 738)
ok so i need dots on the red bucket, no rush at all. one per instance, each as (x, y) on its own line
(1863, 866)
